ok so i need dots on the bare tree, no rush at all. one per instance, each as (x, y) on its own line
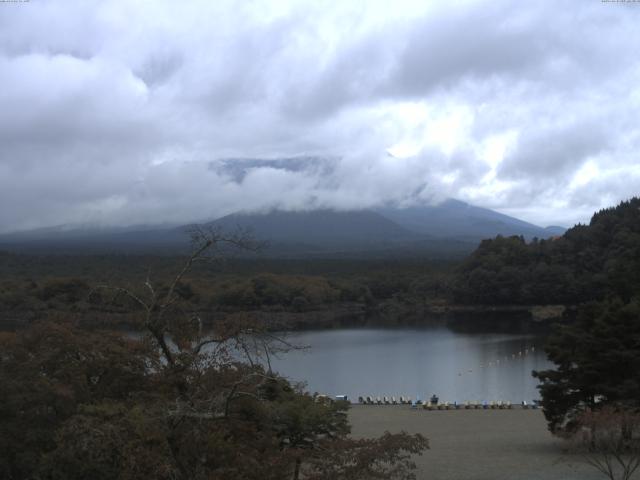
(183, 343)
(609, 440)
(196, 404)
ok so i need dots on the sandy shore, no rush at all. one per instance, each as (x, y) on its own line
(477, 444)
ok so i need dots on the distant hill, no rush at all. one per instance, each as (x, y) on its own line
(452, 228)
(554, 230)
(455, 219)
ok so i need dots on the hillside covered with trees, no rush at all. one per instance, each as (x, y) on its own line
(588, 262)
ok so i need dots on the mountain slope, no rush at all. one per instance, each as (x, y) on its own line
(455, 219)
(452, 227)
(320, 227)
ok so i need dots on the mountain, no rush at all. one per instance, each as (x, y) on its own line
(363, 227)
(360, 233)
(456, 219)
(452, 227)
(286, 232)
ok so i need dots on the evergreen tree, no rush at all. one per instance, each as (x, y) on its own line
(598, 363)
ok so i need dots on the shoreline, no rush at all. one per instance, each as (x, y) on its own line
(488, 318)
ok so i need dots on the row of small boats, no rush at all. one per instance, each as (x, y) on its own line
(435, 405)
(386, 400)
(499, 405)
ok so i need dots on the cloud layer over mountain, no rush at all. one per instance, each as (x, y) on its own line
(138, 112)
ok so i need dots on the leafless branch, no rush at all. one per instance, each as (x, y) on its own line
(124, 291)
(609, 440)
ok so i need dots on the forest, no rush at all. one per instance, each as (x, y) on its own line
(588, 262)
(285, 293)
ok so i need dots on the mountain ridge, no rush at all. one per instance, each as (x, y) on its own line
(452, 226)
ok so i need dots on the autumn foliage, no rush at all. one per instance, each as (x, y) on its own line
(171, 401)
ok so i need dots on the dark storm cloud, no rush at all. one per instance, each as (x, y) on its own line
(123, 112)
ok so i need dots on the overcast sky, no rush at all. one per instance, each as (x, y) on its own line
(131, 112)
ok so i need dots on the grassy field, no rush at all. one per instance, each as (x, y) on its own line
(478, 444)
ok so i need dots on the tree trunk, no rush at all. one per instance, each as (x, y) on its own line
(296, 472)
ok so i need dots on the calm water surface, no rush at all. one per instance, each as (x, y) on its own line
(416, 362)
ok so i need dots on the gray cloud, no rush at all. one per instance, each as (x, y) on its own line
(551, 152)
(122, 113)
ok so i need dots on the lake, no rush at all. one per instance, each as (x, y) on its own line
(410, 362)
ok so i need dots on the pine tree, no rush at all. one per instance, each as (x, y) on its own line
(598, 363)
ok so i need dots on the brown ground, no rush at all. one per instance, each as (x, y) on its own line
(477, 444)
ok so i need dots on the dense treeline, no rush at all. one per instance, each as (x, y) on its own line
(37, 287)
(588, 262)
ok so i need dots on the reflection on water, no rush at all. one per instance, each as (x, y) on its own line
(410, 362)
